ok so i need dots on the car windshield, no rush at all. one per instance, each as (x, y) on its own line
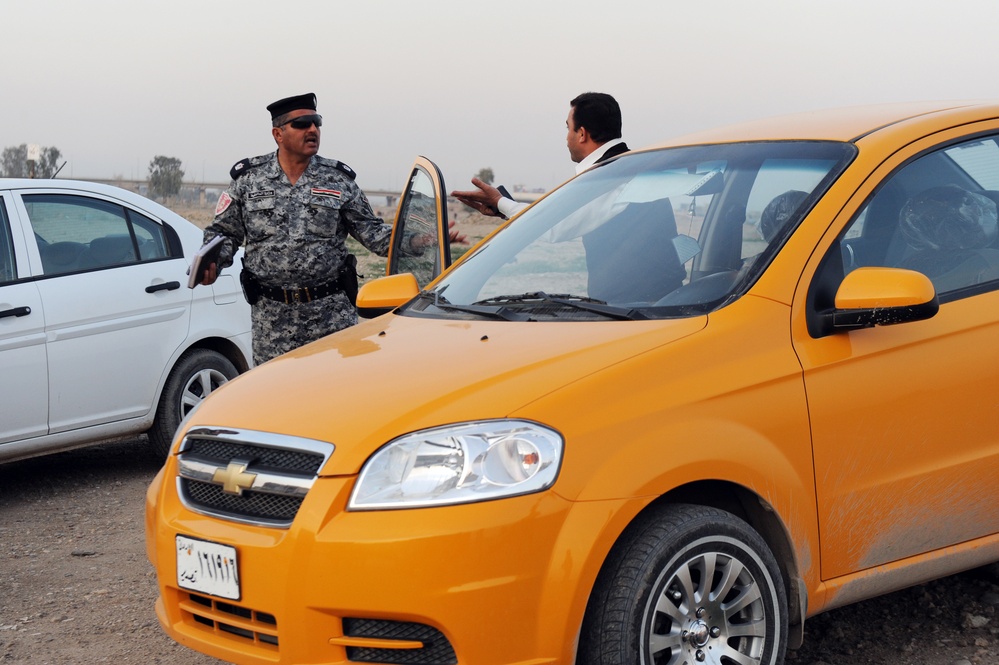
(657, 234)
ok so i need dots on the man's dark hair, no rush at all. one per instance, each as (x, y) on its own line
(281, 119)
(599, 113)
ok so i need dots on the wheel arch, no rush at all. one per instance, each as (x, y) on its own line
(226, 347)
(223, 346)
(760, 516)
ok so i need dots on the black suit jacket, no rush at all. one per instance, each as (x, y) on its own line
(613, 151)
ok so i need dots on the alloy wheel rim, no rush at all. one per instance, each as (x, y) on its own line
(710, 610)
(198, 387)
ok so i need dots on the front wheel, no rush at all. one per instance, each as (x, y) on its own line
(193, 378)
(687, 584)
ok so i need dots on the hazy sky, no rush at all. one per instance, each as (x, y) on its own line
(468, 84)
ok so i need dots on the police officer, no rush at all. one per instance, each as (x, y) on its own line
(292, 210)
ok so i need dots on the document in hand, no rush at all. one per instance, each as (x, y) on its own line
(204, 257)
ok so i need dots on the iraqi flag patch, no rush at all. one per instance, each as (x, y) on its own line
(224, 202)
(332, 193)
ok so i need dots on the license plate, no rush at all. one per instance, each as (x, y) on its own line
(207, 567)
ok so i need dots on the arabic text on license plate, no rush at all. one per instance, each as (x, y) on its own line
(207, 567)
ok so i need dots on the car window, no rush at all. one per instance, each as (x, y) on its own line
(149, 235)
(8, 268)
(936, 215)
(421, 219)
(77, 233)
(653, 234)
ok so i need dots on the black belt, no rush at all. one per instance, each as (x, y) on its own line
(302, 294)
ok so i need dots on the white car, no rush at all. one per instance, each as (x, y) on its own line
(100, 337)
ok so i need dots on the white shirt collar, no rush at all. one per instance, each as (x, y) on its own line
(592, 158)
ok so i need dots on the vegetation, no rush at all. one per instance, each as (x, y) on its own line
(165, 176)
(485, 175)
(14, 162)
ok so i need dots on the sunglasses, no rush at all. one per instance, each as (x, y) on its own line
(306, 121)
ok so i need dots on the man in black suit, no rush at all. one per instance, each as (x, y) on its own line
(594, 135)
(630, 255)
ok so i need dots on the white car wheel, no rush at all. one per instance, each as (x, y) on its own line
(195, 376)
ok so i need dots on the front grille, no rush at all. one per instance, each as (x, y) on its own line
(436, 650)
(257, 627)
(250, 505)
(247, 476)
(290, 461)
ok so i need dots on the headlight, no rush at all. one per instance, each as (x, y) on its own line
(459, 464)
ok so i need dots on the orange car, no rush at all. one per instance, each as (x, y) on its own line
(690, 398)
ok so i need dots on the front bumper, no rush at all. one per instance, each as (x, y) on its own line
(500, 582)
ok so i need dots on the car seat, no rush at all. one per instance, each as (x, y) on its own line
(109, 251)
(949, 230)
(61, 257)
(632, 258)
(994, 196)
(774, 217)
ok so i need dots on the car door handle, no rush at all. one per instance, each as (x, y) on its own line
(17, 311)
(165, 286)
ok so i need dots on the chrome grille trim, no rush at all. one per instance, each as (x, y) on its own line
(230, 473)
(271, 483)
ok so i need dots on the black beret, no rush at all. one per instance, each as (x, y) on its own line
(289, 104)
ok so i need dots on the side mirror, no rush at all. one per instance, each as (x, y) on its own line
(869, 297)
(381, 296)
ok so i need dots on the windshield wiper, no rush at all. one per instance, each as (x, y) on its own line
(567, 300)
(495, 312)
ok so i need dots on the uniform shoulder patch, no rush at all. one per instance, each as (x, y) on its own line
(244, 165)
(346, 169)
(340, 166)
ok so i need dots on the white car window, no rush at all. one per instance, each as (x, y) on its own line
(150, 237)
(77, 233)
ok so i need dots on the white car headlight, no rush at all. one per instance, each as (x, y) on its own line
(459, 464)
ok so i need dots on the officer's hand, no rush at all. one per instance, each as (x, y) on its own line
(424, 240)
(454, 236)
(211, 274)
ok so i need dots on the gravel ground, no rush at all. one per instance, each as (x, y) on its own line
(75, 585)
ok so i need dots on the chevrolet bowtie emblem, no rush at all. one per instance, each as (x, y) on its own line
(234, 478)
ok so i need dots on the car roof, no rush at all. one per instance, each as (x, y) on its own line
(110, 191)
(849, 124)
(40, 183)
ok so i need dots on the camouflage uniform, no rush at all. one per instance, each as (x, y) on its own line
(294, 236)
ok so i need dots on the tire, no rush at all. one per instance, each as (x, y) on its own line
(687, 584)
(197, 373)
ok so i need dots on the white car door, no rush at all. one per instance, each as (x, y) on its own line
(24, 383)
(114, 307)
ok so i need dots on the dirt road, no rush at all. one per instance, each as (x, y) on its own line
(75, 586)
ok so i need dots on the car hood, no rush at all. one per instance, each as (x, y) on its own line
(371, 383)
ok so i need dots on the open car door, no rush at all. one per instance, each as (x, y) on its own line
(420, 237)
(420, 248)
